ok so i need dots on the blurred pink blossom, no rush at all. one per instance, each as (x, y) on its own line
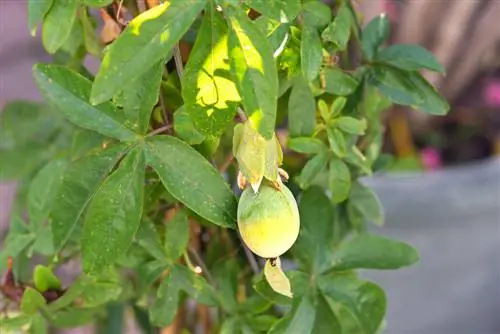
(492, 93)
(430, 158)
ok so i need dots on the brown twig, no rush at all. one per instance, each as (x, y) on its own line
(159, 130)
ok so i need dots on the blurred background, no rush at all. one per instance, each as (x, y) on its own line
(442, 194)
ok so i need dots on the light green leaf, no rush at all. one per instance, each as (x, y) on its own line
(409, 57)
(177, 235)
(306, 145)
(337, 142)
(338, 82)
(90, 38)
(97, 3)
(337, 105)
(369, 251)
(14, 244)
(73, 318)
(301, 109)
(363, 200)
(58, 23)
(254, 71)
(365, 300)
(43, 190)
(351, 125)
(191, 179)
(44, 279)
(356, 158)
(80, 182)
(195, 286)
(311, 52)
(280, 10)
(339, 180)
(374, 34)
(97, 293)
(303, 316)
(316, 14)
(326, 322)
(145, 41)
(277, 278)
(312, 168)
(15, 323)
(265, 290)
(37, 9)
(114, 215)
(69, 92)
(140, 96)
(339, 31)
(148, 238)
(185, 129)
(38, 325)
(32, 301)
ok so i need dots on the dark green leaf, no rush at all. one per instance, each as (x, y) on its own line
(316, 14)
(339, 180)
(374, 34)
(146, 40)
(185, 129)
(32, 301)
(409, 57)
(80, 182)
(177, 235)
(69, 92)
(351, 125)
(114, 215)
(280, 10)
(254, 71)
(311, 52)
(97, 3)
(301, 109)
(140, 96)
(147, 237)
(366, 202)
(210, 95)
(192, 179)
(280, 326)
(338, 82)
(365, 301)
(316, 218)
(397, 86)
(312, 168)
(326, 322)
(226, 275)
(57, 24)
(195, 286)
(73, 318)
(433, 103)
(306, 145)
(261, 323)
(303, 316)
(43, 190)
(339, 31)
(370, 251)
(337, 142)
(37, 9)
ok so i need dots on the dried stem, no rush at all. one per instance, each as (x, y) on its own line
(159, 130)
(178, 61)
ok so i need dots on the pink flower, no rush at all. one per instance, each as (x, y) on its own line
(492, 93)
(430, 158)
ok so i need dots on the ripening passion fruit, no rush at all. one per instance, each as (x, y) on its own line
(269, 220)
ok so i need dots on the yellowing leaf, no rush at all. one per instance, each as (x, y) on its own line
(277, 278)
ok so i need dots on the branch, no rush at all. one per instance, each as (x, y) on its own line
(159, 130)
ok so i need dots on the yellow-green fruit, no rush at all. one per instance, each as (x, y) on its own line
(268, 221)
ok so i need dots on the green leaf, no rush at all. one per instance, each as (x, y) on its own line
(44, 279)
(363, 200)
(312, 168)
(409, 57)
(146, 40)
(185, 129)
(80, 182)
(306, 145)
(433, 103)
(114, 215)
(326, 322)
(177, 235)
(195, 286)
(339, 31)
(264, 289)
(339, 180)
(140, 96)
(90, 38)
(311, 52)
(337, 142)
(38, 325)
(397, 86)
(365, 300)
(374, 34)
(337, 105)
(32, 301)
(97, 293)
(370, 251)
(37, 9)
(148, 238)
(316, 14)
(277, 279)
(14, 245)
(280, 10)
(338, 82)
(303, 316)
(69, 92)
(191, 179)
(254, 71)
(73, 318)
(316, 217)
(301, 109)
(14, 323)
(57, 24)
(43, 190)
(210, 95)
(97, 3)
(351, 125)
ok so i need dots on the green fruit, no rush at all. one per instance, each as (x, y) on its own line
(44, 279)
(268, 221)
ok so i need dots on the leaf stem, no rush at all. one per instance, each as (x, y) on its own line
(178, 61)
(202, 265)
(159, 130)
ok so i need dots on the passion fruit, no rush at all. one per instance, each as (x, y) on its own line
(268, 220)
